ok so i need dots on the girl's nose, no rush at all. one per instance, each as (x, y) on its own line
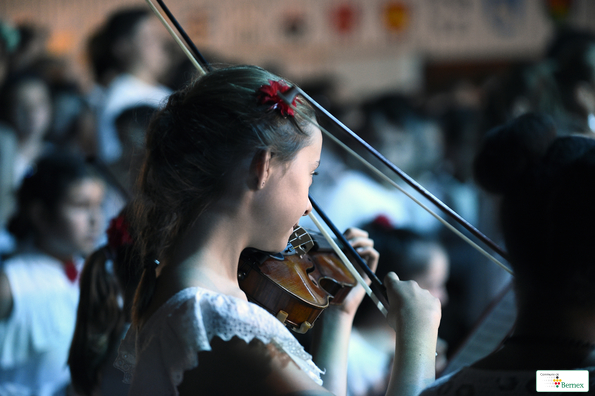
(308, 209)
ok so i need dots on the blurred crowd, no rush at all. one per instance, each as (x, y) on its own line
(69, 158)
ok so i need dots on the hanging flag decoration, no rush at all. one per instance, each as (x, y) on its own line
(345, 18)
(396, 16)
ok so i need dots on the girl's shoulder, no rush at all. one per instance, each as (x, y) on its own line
(198, 315)
(187, 324)
(214, 313)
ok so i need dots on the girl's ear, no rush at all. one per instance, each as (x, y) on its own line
(260, 169)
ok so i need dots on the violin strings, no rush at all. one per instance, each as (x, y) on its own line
(176, 38)
(348, 264)
(394, 184)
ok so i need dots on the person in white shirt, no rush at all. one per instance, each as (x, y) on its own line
(58, 222)
(135, 44)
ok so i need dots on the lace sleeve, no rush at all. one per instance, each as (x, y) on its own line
(126, 355)
(187, 323)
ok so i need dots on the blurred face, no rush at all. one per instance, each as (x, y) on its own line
(32, 110)
(284, 198)
(396, 144)
(434, 279)
(77, 224)
(150, 44)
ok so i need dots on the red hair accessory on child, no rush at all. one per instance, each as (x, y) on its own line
(384, 222)
(118, 234)
(269, 94)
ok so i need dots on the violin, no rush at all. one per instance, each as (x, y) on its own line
(296, 285)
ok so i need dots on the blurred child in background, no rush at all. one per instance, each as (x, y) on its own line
(26, 107)
(58, 222)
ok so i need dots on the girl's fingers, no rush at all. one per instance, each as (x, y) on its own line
(353, 232)
(370, 255)
(363, 245)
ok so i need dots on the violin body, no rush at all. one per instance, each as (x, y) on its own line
(295, 286)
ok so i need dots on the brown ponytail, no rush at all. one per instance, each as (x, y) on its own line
(99, 323)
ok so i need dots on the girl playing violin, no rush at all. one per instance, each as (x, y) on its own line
(228, 167)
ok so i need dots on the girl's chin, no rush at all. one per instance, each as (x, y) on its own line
(281, 246)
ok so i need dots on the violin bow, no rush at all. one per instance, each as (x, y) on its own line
(201, 64)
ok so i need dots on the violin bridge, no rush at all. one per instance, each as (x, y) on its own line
(301, 241)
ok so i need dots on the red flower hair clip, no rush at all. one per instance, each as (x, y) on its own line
(118, 234)
(384, 222)
(269, 94)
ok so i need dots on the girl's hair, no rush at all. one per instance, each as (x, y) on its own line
(547, 213)
(193, 146)
(107, 282)
(46, 183)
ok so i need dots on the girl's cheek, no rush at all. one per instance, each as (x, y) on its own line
(76, 222)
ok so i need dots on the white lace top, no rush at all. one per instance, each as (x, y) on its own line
(155, 359)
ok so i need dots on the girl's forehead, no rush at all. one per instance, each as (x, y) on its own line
(87, 185)
(315, 136)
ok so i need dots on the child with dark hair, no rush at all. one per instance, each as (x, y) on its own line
(58, 221)
(132, 126)
(547, 217)
(133, 55)
(228, 167)
(26, 107)
(108, 281)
